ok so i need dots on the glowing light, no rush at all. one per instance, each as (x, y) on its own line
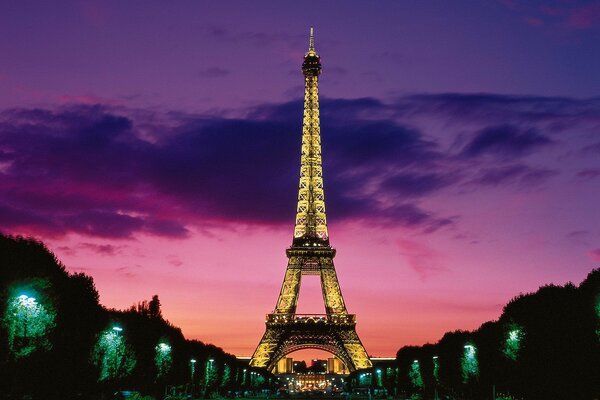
(163, 359)
(512, 344)
(28, 323)
(415, 374)
(192, 368)
(113, 356)
(211, 373)
(469, 363)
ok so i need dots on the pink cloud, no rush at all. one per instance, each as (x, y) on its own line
(421, 258)
(594, 254)
(533, 21)
(584, 17)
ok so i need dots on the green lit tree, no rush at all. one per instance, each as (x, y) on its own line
(512, 341)
(210, 375)
(28, 324)
(113, 356)
(163, 359)
(436, 369)
(225, 380)
(414, 373)
(468, 363)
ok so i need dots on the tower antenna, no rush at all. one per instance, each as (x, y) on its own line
(312, 40)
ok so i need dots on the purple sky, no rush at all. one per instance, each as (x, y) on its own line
(156, 147)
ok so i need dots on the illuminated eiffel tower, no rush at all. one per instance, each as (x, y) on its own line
(311, 254)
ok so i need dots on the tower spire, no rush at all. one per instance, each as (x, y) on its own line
(311, 222)
(311, 46)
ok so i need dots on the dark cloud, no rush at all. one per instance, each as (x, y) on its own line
(573, 15)
(518, 174)
(588, 173)
(505, 140)
(592, 148)
(416, 185)
(255, 38)
(102, 249)
(114, 172)
(89, 169)
(214, 72)
(555, 113)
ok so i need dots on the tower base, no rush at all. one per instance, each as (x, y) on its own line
(334, 333)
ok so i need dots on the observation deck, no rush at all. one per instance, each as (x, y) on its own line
(326, 319)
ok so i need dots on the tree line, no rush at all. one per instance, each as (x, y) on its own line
(57, 341)
(545, 345)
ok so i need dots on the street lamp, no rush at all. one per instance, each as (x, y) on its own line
(193, 368)
(28, 305)
(117, 330)
(162, 358)
(415, 374)
(208, 378)
(436, 376)
(469, 364)
(28, 323)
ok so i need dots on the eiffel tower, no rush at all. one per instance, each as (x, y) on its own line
(311, 254)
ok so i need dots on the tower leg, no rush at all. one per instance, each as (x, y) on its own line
(263, 355)
(332, 294)
(288, 297)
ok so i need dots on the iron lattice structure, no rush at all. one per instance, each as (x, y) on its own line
(311, 254)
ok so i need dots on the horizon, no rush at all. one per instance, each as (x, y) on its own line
(148, 148)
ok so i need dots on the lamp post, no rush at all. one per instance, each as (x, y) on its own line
(436, 376)
(27, 304)
(117, 330)
(192, 368)
(208, 378)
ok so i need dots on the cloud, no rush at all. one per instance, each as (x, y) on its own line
(593, 148)
(173, 260)
(91, 170)
(108, 171)
(587, 174)
(594, 254)
(101, 249)
(583, 16)
(505, 140)
(518, 174)
(488, 109)
(421, 258)
(214, 72)
(255, 38)
(125, 271)
(573, 15)
(416, 185)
